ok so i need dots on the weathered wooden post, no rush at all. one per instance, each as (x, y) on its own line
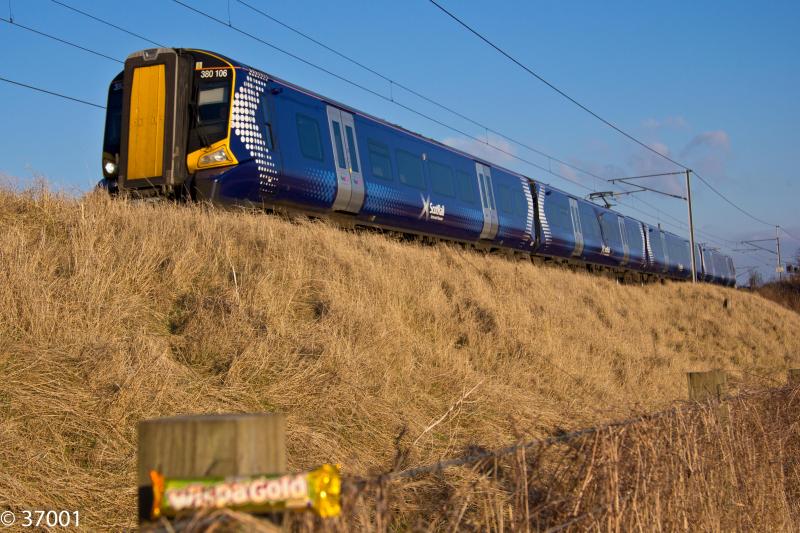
(209, 445)
(706, 385)
(794, 377)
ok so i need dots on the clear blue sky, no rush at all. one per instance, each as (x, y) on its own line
(714, 84)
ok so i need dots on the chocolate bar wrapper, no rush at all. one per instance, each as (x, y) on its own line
(318, 490)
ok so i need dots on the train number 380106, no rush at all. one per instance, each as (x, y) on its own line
(218, 73)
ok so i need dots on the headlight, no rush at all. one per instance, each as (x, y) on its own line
(110, 167)
(220, 155)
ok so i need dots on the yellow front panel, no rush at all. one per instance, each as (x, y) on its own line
(146, 133)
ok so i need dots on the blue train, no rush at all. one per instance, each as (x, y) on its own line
(193, 124)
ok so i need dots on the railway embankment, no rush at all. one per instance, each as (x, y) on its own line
(111, 312)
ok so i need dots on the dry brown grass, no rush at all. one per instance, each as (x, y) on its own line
(785, 293)
(113, 312)
(704, 467)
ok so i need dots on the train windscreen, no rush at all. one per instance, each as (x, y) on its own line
(113, 129)
(211, 108)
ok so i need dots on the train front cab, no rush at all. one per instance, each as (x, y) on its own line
(168, 117)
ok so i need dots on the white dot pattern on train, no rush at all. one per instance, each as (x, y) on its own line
(246, 103)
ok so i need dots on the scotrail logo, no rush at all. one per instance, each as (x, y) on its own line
(431, 211)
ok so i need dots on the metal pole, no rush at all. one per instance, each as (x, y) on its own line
(778, 242)
(691, 225)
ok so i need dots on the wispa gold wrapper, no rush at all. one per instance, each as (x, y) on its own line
(318, 490)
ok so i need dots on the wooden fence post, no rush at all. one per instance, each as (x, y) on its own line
(794, 377)
(209, 445)
(706, 385)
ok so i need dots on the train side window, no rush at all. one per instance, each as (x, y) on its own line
(634, 230)
(441, 179)
(504, 199)
(590, 226)
(351, 145)
(379, 160)
(465, 183)
(337, 135)
(709, 260)
(656, 246)
(266, 125)
(308, 134)
(490, 193)
(669, 249)
(610, 227)
(519, 205)
(557, 213)
(409, 169)
(484, 192)
(685, 254)
(675, 251)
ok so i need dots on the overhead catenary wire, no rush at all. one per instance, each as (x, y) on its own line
(392, 82)
(408, 108)
(60, 40)
(718, 193)
(107, 23)
(53, 93)
(591, 112)
(552, 86)
(789, 234)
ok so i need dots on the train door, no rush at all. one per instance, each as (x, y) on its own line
(626, 250)
(576, 226)
(350, 181)
(490, 221)
(153, 122)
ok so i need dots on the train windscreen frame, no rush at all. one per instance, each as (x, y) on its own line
(210, 102)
